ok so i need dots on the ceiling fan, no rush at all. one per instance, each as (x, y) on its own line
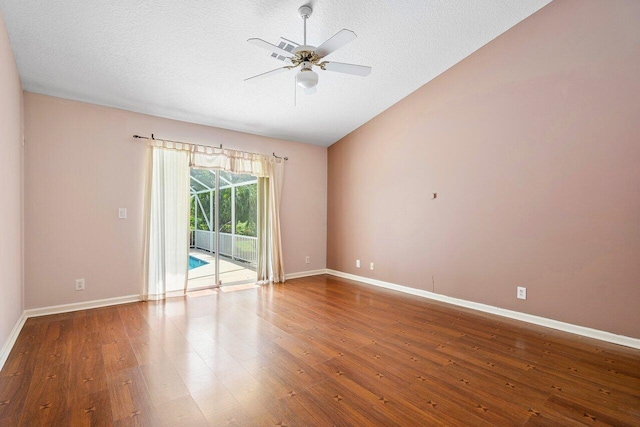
(306, 57)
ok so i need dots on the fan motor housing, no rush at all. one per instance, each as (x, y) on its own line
(304, 55)
(303, 48)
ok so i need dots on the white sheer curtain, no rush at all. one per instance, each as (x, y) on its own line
(270, 260)
(276, 177)
(167, 211)
(166, 224)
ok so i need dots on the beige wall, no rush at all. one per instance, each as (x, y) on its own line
(82, 164)
(533, 146)
(11, 303)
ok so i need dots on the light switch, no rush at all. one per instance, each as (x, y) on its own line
(122, 213)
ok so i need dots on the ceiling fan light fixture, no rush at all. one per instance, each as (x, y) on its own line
(307, 78)
(306, 56)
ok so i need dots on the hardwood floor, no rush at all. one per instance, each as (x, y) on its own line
(316, 351)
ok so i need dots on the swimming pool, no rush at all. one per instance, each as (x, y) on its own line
(195, 262)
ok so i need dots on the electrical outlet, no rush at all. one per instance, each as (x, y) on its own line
(370, 266)
(122, 213)
(307, 259)
(522, 293)
(79, 284)
(357, 263)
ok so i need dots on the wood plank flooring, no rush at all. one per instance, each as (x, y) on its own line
(317, 351)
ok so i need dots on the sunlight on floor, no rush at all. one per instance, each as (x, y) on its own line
(231, 288)
(239, 287)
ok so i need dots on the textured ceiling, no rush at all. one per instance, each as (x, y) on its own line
(186, 59)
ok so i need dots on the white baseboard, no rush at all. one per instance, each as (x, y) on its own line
(529, 318)
(305, 274)
(11, 339)
(76, 306)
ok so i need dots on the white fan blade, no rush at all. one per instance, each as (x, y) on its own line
(270, 47)
(268, 73)
(356, 70)
(287, 45)
(291, 42)
(340, 39)
(310, 91)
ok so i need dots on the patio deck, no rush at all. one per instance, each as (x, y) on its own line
(230, 271)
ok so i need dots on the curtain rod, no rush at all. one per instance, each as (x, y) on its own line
(190, 143)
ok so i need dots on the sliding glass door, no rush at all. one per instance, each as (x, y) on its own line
(223, 242)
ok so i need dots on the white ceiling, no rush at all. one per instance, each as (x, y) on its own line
(186, 59)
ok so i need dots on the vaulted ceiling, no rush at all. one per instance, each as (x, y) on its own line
(187, 60)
